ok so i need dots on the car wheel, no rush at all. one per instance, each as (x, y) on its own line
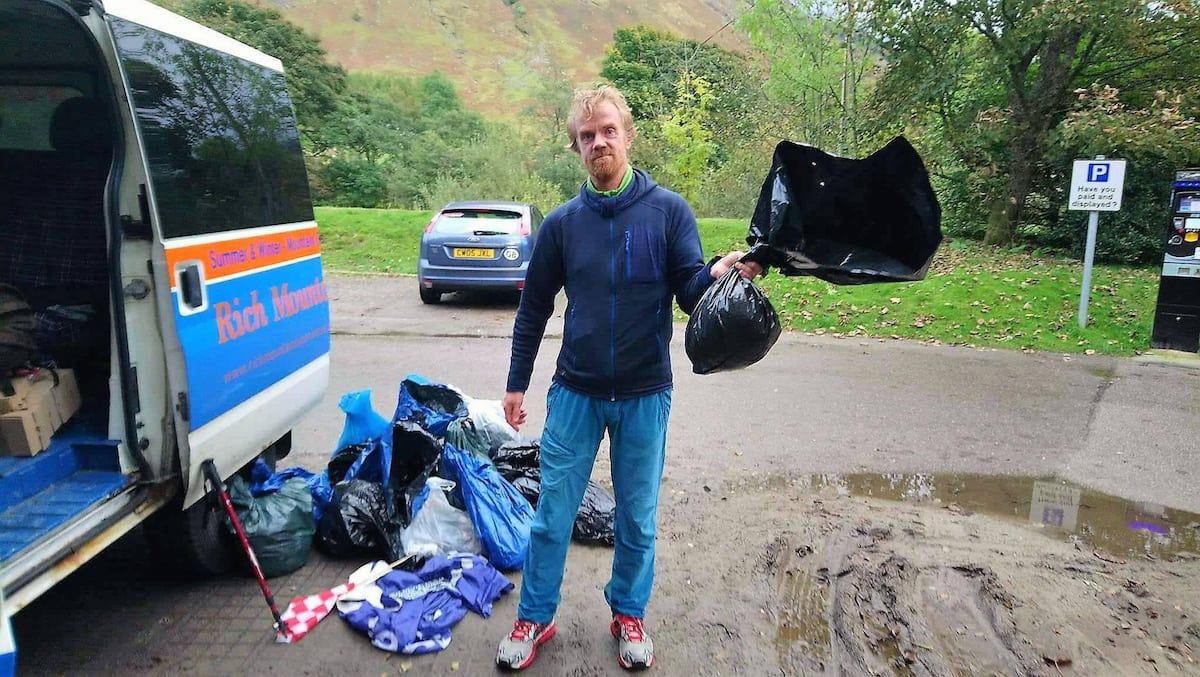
(430, 296)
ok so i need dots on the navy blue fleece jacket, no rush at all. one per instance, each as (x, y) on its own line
(621, 259)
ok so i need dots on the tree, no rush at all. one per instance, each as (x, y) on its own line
(684, 130)
(646, 65)
(1038, 52)
(822, 65)
(315, 84)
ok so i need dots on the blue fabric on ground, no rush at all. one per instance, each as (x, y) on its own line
(414, 612)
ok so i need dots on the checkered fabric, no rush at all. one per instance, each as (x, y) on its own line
(303, 613)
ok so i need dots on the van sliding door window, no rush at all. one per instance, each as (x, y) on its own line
(219, 132)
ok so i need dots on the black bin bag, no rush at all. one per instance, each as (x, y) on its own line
(733, 326)
(847, 221)
(519, 463)
(361, 520)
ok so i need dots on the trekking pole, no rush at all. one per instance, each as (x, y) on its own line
(210, 472)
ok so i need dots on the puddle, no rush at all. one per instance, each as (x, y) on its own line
(1108, 373)
(1115, 525)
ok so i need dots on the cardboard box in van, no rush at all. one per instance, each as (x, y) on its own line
(29, 417)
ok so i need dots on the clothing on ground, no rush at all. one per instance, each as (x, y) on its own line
(414, 612)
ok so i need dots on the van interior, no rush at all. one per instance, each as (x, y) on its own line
(56, 151)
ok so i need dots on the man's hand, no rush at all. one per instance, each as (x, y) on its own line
(514, 409)
(749, 269)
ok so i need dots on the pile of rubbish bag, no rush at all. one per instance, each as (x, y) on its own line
(445, 476)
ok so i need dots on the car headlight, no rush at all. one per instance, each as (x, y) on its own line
(512, 254)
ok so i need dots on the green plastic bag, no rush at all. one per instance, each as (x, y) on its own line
(462, 434)
(278, 525)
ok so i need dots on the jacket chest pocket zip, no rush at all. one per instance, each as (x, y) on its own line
(628, 254)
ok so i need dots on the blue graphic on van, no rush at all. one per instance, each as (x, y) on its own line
(257, 329)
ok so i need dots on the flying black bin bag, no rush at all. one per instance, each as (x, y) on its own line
(847, 221)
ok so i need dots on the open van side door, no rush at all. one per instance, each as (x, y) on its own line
(246, 317)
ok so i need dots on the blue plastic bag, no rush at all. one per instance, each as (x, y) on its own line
(500, 513)
(364, 426)
(431, 405)
(362, 421)
(263, 481)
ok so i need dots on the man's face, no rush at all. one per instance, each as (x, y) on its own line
(603, 144)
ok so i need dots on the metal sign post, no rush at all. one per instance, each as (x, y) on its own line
(1096, 186)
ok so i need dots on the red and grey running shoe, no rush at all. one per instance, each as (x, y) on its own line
(519, 648)
(635, 651)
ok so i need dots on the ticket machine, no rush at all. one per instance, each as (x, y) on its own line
(1177, 316)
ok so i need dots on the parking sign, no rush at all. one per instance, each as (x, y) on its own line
(1096, 185)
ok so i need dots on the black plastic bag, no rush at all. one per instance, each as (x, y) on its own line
(847, 221)
(519, 463)
(517, 455)
(733, 326)
(342, 460)
(361, 520)
(415, 456)
(279, 525)
(594, 522)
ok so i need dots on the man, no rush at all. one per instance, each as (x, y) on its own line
(622, 249)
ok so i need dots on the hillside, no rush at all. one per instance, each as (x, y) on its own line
(494, 49)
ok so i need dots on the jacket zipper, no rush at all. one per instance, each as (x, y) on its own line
(612, 343)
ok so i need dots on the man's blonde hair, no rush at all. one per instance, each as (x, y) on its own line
(584, 106)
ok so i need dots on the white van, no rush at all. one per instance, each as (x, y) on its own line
(155, 212)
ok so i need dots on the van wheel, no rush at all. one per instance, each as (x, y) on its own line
(193, 541)
(196, 541)
(430, 296)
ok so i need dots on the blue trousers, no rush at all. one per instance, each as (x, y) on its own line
(575, 424)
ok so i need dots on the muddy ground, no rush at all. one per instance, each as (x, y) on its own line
(831, 583)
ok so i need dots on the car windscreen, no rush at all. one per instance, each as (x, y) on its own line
(489, 221)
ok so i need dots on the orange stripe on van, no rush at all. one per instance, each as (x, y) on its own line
(243, 254)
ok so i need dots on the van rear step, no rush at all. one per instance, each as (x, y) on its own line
(40, 494)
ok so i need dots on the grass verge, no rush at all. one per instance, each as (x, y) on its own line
(974, 295)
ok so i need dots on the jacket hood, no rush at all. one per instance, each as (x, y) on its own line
(639, 187)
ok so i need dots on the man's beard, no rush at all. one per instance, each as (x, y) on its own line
(604, 168)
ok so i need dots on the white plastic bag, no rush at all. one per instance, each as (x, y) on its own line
(489, 420)
(439, 528)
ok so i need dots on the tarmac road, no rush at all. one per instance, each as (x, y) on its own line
(814, 405)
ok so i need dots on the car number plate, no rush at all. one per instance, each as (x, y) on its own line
(470, 253)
